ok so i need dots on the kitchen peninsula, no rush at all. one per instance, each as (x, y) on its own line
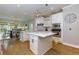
(40, 42)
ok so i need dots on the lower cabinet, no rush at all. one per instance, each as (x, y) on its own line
(40, 45)
(34, 43)
(24, 36)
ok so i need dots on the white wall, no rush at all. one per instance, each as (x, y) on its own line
(71, 36)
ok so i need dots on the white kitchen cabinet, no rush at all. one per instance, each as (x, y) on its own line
(1, 42)
(23, 36)
(57, 18)
(39, 22)
(40, 42)
(33, 43)
(47, 22)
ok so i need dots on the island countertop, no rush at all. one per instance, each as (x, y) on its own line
(42, 33)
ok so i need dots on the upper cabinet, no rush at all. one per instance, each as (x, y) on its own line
(57, 18)
(47, 22)
(39, 21)
(42, 23)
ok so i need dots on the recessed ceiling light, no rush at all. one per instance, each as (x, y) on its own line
(51, 8)
(24, 13)
(18, 5)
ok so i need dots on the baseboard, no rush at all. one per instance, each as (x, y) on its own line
(33, 51)
(47, 51)
(74, 46)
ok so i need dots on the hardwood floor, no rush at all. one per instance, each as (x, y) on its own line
(18, 48)
(22, 48)
(60, 49)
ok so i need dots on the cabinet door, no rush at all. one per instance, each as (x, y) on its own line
(57, 18)
(48, 22)
(23, 36)
(39, 21)
(31, 40)
(34, 43)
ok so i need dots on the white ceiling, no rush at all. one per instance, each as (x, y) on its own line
(26, 12)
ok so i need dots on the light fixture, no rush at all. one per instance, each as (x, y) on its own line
(24, 13)
(46, 4)
(38, 14)
(18, 5)
(51, 8)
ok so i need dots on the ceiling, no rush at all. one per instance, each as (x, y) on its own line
(26, 12)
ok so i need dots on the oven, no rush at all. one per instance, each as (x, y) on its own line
(56, 29)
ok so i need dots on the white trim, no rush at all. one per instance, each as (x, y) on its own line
(33, 51)
(75, 46)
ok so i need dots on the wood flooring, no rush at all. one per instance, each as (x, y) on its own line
(22, 48)
(60, 49)
(18, 48)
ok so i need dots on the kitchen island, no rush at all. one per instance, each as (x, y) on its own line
(40, 42)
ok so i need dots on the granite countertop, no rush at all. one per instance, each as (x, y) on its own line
(42, 33)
